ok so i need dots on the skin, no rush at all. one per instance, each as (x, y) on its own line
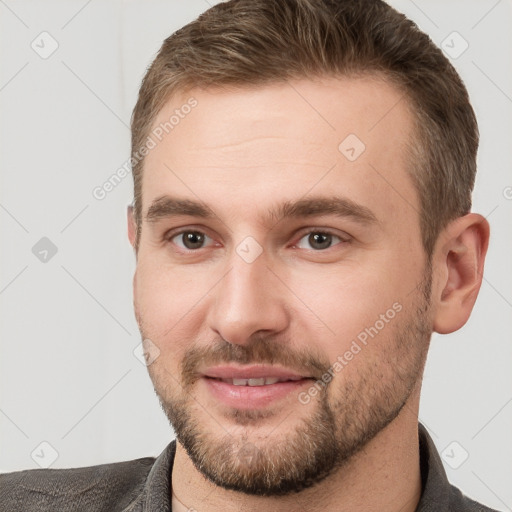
(241, 152)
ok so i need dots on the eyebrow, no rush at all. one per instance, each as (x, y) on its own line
(168, 206)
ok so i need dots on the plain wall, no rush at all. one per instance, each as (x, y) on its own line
(68, 373)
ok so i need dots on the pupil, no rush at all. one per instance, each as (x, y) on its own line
(193, 240)
(322, 239)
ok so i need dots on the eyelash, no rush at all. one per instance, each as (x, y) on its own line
(170, 236)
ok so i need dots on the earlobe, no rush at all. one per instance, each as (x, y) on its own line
(460, 261)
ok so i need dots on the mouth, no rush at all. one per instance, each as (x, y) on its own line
(259, 381)
(252, 387)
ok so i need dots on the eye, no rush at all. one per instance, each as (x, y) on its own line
(190, 240)
(318, 240)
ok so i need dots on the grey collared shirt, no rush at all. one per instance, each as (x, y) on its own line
(144, 485)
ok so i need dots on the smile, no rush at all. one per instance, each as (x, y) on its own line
(260, 381)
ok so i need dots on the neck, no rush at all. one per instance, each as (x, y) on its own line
(384, 475)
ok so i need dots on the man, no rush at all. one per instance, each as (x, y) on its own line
(302, 177)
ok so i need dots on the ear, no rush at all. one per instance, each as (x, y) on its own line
(459, 258)
(132, 226)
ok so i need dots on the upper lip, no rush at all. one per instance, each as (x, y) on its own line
(251, 372)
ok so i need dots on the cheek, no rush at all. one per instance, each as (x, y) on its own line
(171, 305)
(361, 310)
(343, 302)
(162, 297)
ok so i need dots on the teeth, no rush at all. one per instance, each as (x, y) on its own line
(263, 381)
(257, 382)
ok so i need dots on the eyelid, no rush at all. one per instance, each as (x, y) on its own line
(169, 235)
(343, 236)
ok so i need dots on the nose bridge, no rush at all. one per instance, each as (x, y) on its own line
(246, 300)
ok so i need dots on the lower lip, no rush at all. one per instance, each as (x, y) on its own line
(252, 397)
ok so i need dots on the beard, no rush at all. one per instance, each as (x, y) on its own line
(347, 414)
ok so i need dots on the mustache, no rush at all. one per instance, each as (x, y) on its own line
(258, 351)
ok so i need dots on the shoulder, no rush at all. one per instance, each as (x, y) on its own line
(459, 502)
(94, 488)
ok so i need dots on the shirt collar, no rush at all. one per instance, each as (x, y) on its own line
(156, 494)
(436, 488)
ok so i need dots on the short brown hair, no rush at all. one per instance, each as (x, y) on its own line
(257, 42)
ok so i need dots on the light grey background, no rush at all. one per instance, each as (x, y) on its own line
(68, 374)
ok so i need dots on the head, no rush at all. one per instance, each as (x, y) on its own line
(303, 173)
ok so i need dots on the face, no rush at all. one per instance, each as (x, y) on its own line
(281, 278)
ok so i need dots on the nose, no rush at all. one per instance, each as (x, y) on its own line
(249, 299)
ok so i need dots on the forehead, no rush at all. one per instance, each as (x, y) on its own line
(245, 145)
